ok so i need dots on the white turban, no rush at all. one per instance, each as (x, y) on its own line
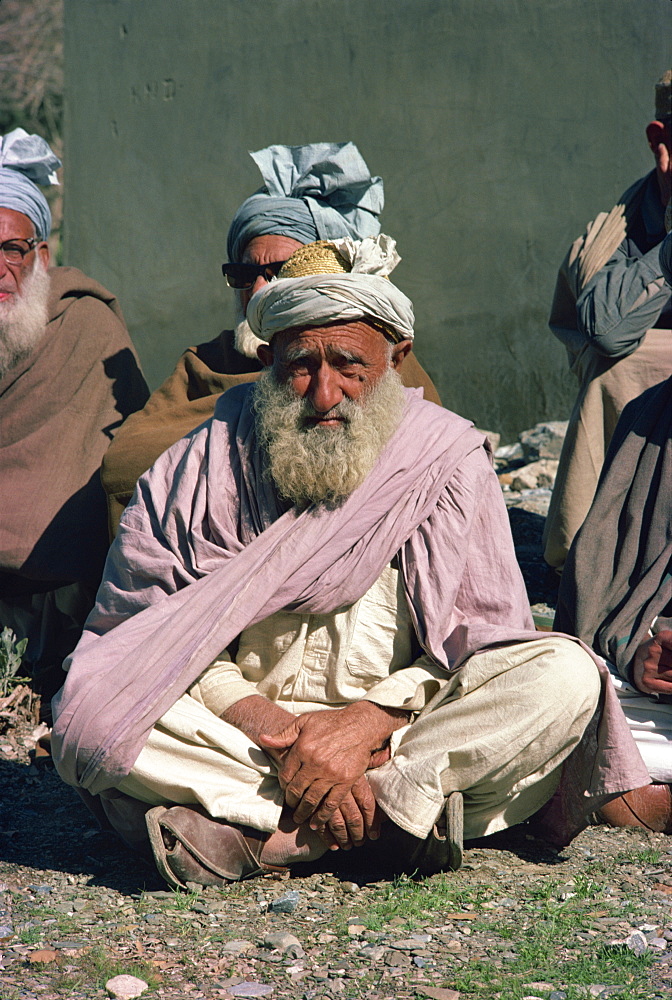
(317, 299)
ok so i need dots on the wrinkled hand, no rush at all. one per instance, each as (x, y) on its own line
(652, 670)
(322, 773)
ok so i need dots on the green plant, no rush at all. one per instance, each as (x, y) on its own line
(98, 965)
(11, 655)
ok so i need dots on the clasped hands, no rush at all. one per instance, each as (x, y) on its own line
(322, 759)
(652, 670)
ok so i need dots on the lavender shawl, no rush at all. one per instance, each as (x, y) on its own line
(205, 550)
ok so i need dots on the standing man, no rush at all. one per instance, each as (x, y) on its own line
(68, 377)
(613, 312)
(322, 190)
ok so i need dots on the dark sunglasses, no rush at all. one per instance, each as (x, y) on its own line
(245, 275)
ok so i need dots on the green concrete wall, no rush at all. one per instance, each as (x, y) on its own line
(500, 128)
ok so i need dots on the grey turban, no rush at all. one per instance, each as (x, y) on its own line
(320, 191)
(25, 161)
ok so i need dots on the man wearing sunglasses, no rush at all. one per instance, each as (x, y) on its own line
(68, 376)
(317, 191)
(613, 313)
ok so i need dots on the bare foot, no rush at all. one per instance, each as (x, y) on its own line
(291, 843)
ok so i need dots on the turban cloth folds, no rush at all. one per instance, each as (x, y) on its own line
(26, 161)
(319, 191)
(317, 299)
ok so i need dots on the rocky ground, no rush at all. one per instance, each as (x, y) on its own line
(519, 921)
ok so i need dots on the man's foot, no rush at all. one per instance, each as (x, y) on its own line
(291, 843)
(190, 846)
(440, 851)
(649, 808)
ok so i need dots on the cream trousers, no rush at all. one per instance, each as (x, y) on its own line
(498, 730)
(650, 723)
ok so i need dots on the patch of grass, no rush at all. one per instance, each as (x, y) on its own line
(96, 966)
(642, 856)
(183, 900)
(414, 901)
(544, 940)
(31, 935)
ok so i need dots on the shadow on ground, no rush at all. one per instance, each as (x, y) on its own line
(45, 826)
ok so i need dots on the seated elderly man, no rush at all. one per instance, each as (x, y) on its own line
(318, 191)
(616, 590)
(313, 631)
(68, 376)
(613, 312)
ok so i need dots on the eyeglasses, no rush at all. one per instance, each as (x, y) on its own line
(245, 275)
(15, 250)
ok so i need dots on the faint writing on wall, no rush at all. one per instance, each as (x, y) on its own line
(154, 90)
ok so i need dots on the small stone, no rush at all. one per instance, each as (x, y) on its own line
(397, 958)
(510, 452)
(236, 947)
(286, 903)
(596, 989)
(250, 990)
(541, 473)
(438, 993)
(374, 952)
(544, 440)
(285, 943)
(558, 995)
(356, 930)
(659, 943)
(636, 942)
(43, 956)
(350, 887)
(125, 987)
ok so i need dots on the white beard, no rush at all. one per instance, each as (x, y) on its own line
(246, 342)
(23, 319)
(313, 464)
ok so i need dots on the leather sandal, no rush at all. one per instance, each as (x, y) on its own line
(440, 851)
(648, 807)
(190, 846)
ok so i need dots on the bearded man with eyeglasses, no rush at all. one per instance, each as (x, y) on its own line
(68, 376)
(316, 191)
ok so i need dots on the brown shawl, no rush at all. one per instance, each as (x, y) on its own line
(184, 401)
(59, 410)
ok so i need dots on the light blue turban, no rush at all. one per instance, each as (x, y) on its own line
(321, 191)
(25, 161)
